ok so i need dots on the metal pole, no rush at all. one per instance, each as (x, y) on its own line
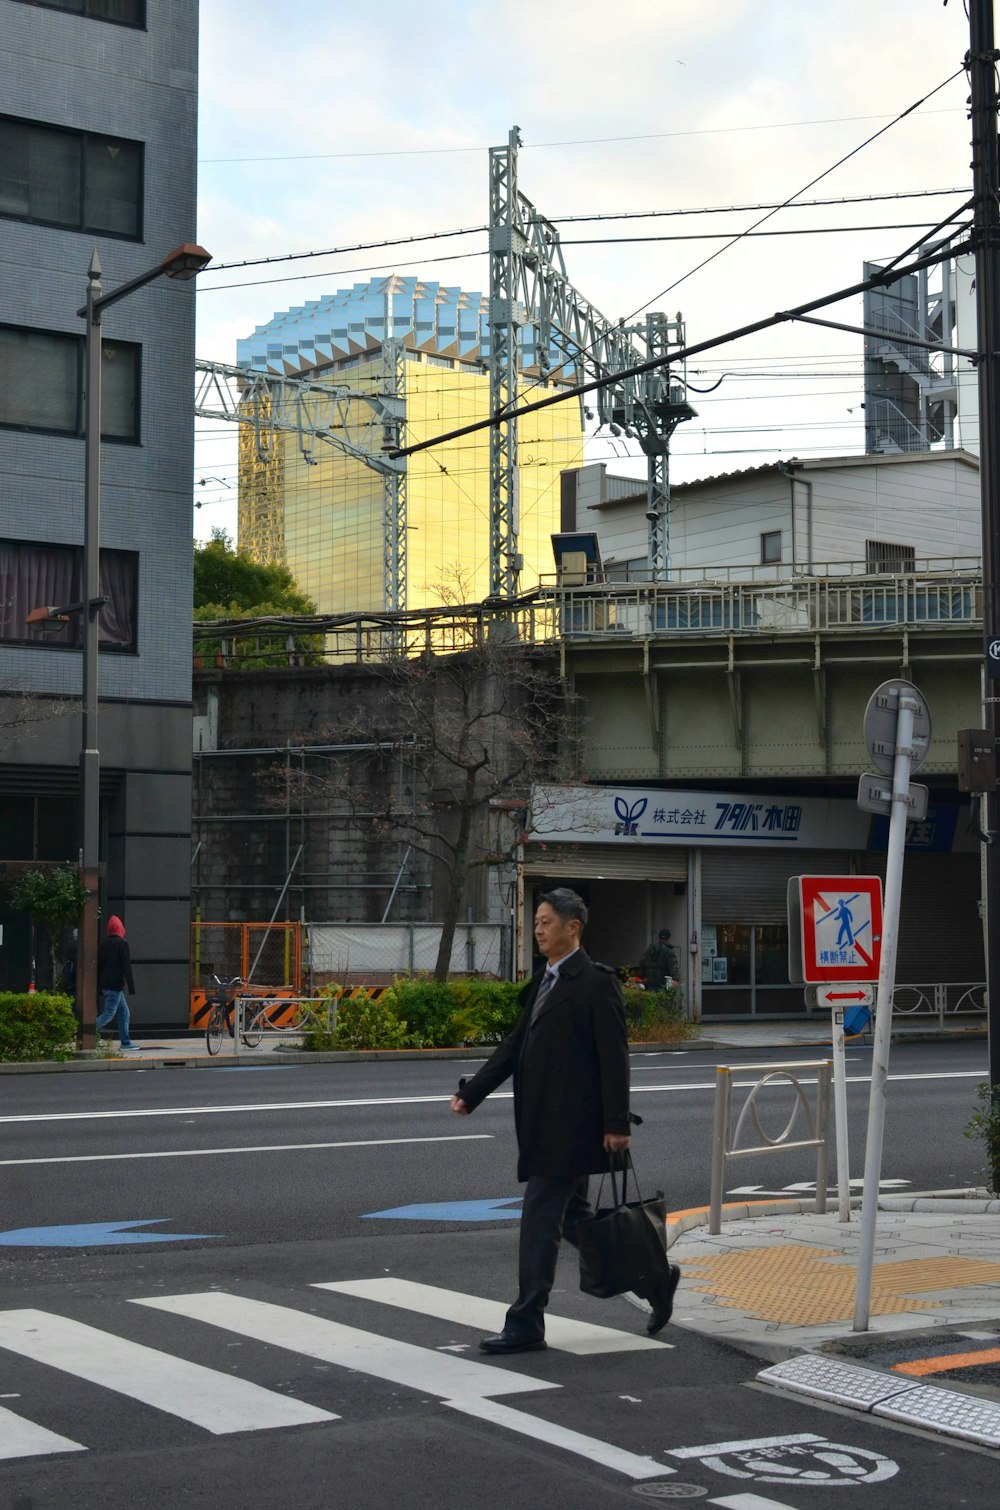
(90, 758)
(823, 1134)
(720, 1141)
(274, 914)
(840, 1117)
(883, 1010)
(986, 182)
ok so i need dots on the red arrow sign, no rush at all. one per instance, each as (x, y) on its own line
(845, 995)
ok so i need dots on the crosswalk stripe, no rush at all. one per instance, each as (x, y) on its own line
(569, 1336)
(595, 1451)
(419, 1368)
(217, 1402)
(23, 1439)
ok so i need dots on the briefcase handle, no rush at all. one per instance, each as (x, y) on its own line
(626, 1164)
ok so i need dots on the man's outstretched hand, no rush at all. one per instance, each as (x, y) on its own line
(461, 1109)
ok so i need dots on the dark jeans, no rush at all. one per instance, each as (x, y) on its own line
(553, 1204)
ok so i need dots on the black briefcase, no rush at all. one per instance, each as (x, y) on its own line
(624, 1246)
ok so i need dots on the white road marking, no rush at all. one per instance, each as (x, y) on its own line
(419, 1368)
(716, 1449)
(567, 1335)
(23, 1439)
(750, 1502)
(604, 1453)
(217, 1402)
(203, 1153)
(284, 1106)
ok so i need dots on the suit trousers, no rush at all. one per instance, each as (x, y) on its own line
(553, 1205)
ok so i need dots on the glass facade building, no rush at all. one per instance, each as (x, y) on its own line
(323, 513)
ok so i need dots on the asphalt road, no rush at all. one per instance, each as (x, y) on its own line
(274, 1181)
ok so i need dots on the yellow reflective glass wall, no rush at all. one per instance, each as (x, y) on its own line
(333, 505)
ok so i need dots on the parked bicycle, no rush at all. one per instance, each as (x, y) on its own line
(221, 1010)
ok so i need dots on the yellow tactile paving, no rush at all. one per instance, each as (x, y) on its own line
(791, 1284)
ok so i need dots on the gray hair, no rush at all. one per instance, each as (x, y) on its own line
(566, 904)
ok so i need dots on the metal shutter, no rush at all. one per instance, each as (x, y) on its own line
(751, 885)
(940, 931)
(607, 862)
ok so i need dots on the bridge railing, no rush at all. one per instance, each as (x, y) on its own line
(605, 611)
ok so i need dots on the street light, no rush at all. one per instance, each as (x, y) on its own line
(183, 262)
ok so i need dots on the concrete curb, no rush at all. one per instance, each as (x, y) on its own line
(158, 1059)
(968, 1202)
(199, 1058)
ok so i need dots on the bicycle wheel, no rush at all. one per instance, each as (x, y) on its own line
(215, 1029)
(254, 1031)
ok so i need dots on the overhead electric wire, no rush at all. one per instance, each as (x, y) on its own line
(583, 141)
(474, 230)
(376, 267)
(681, 353)
(959, 73)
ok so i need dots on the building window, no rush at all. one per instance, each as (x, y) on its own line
(41, 383)
(51, 576)
(884, 557)
(70, 178)
(770, 547)
(121, 12)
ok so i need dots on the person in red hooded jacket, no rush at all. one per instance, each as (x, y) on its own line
(114, 973)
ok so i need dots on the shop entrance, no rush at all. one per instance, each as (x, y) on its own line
(744, 971)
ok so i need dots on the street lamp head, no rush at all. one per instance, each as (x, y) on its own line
(185, 261)
(50, 619)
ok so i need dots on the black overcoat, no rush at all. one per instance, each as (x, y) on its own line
(570, 1069)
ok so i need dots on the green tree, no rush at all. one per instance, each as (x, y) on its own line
(54, 897)
(230, 585)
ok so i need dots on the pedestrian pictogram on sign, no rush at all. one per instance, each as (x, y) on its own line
(836, 921)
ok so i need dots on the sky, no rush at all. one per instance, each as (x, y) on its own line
(325, 124)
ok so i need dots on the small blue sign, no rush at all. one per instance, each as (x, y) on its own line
(497, 1210)
(934, 834)
(95, 1235)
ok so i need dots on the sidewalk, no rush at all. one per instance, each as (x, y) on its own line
(778, 1282)
(155, 1052)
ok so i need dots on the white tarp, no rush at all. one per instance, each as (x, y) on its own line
(398, 948)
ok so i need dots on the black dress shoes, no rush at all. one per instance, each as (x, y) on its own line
(507, 1342)
(663, 1303)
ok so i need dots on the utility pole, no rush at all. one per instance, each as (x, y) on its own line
(982, 63)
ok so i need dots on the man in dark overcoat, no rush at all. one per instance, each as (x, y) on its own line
(568, 1056)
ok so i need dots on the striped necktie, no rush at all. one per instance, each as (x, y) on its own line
(548, 981)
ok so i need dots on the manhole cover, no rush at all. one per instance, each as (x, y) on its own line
(666, 1489)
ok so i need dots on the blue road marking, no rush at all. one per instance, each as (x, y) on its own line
(94, 1235)
(455, 1211)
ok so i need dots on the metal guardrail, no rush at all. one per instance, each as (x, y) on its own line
(281, 1016)
(725, 1138)
(942, 1000)
(606, 611)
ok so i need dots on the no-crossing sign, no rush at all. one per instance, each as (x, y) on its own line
(834, 928)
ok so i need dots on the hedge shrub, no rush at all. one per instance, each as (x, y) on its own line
(418, 1012)
(657, 1016)
(36, 1025)
(359, 1023)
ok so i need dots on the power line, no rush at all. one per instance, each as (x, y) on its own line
(681, 353)
(585, 141)
(474, 230)
(959, 72)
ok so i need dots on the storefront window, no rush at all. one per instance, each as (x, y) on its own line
(744, 971)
